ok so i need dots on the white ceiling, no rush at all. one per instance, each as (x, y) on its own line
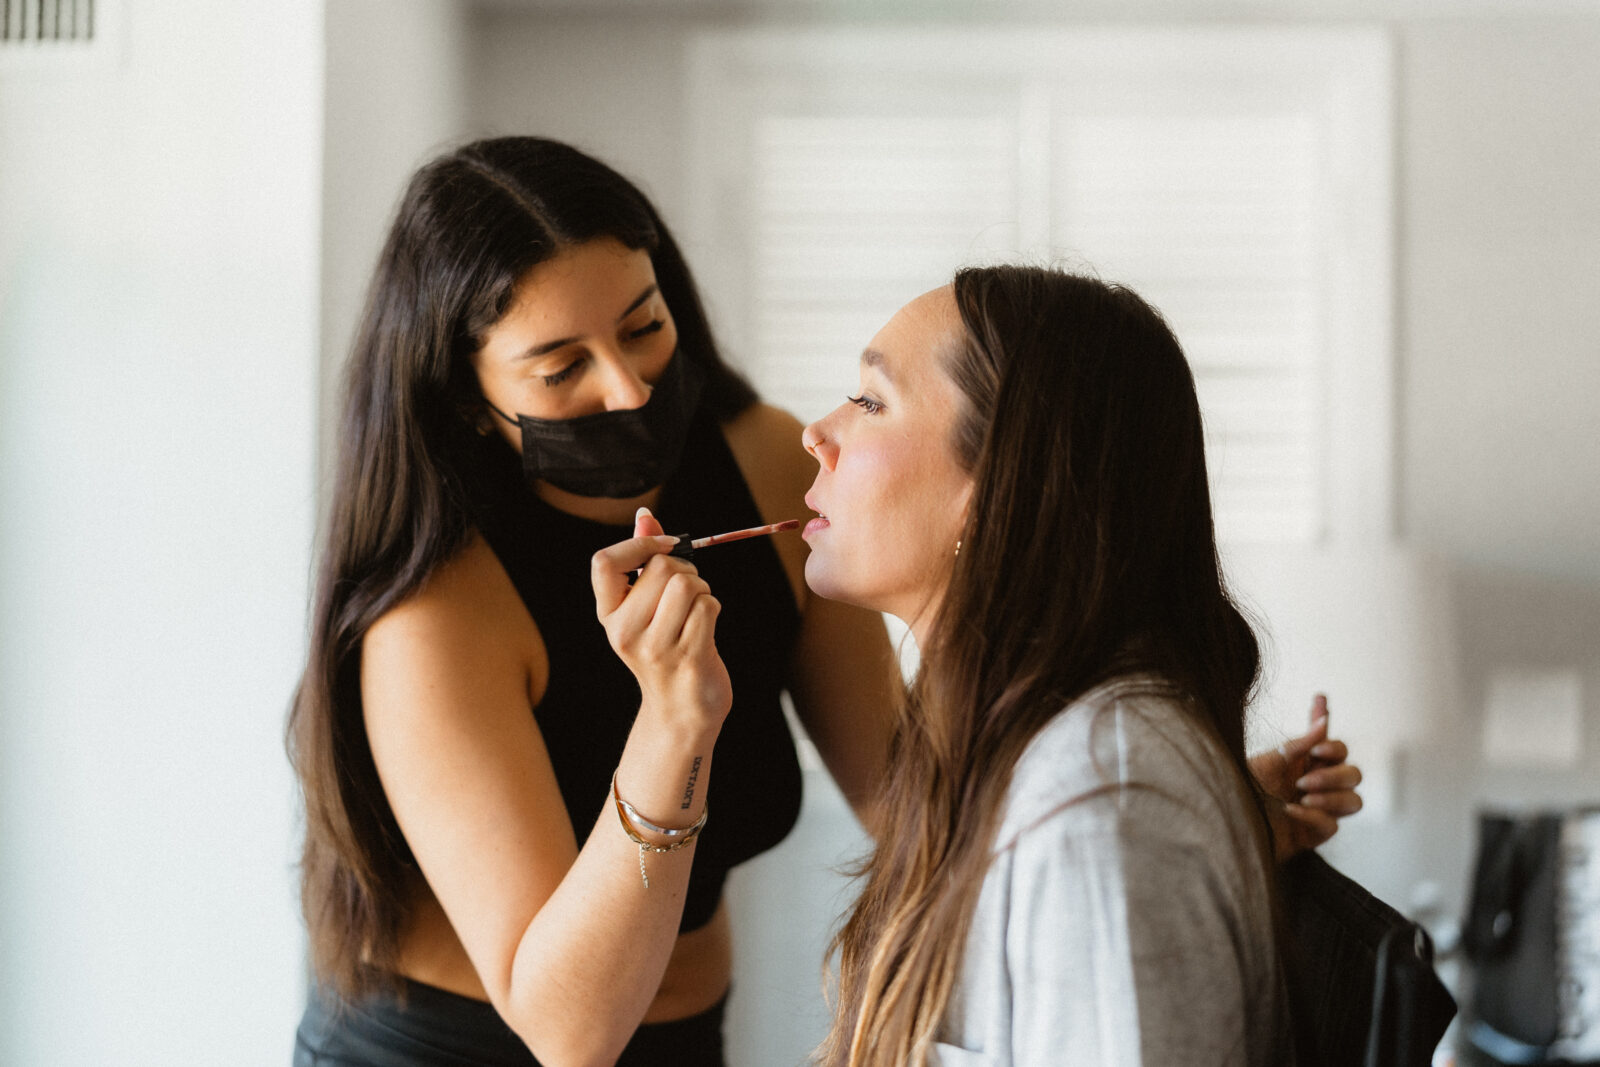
(1073, 10)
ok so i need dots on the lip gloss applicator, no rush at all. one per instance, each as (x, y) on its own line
(687, 546)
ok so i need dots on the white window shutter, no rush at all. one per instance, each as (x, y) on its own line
(851, 216)
(1215, 220)
(842, 174)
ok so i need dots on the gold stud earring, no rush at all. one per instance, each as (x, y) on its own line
(958, 547)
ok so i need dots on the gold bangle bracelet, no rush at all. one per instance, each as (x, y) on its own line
(625, 812)
(646, 824)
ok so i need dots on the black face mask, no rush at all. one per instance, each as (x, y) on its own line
(615, 453)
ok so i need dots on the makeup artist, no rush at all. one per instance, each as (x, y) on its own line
(508, 845)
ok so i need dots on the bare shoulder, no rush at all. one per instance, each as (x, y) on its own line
(467, 617)
(765, 442)
(763, 425)
(468, 593)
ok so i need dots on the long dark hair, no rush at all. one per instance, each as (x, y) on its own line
(1088, 554)
(469, 227)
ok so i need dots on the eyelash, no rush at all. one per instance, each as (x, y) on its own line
(563, 374)
(566, 372)
(866, 403)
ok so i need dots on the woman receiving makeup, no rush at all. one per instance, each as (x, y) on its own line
(1021, 478)
(509, 855)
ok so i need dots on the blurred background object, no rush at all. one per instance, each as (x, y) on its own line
(1532, 939)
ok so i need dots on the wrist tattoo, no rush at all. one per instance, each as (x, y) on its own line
(688, 788)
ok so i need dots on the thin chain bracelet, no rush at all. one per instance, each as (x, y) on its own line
(625, 812)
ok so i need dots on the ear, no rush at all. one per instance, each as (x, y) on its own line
(466, 398)
(475, 413)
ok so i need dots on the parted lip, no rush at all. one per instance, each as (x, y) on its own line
(818, 523)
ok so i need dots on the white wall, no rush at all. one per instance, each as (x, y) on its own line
(158, 344)
(396, 95)
(1500, 256)
(1498, 367)
(1498, 439)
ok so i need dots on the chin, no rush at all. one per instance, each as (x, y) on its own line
(826, 582)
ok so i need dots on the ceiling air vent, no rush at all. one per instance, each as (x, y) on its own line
(42, 38)
(46, 22)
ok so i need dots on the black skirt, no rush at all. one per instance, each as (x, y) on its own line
(435, 1028)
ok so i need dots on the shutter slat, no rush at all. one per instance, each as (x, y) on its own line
(1217, 219)
(1214, 219)
(852, 215)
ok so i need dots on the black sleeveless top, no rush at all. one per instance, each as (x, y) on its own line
(589, 705)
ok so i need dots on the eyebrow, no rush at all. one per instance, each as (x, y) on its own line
(871, 357)
(562, 342)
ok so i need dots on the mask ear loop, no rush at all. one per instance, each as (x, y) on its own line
(468, 400)
(490, 405)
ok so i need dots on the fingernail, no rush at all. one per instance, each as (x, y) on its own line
(1304, 784)
(666, 540)
(642, 513)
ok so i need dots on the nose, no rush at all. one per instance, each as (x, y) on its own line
(819, 444)
(625, 390)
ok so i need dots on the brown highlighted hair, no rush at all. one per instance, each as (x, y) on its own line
(1088, 553)
(470, 225)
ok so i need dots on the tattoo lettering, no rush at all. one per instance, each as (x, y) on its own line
(688, 789)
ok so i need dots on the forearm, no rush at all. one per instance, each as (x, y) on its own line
(591, 960)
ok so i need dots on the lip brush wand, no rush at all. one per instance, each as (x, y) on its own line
(687, 546)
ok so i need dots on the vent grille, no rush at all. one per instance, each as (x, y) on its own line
(33, 22)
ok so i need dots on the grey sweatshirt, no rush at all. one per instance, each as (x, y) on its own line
(1125, 918)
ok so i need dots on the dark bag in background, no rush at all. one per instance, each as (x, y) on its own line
(1362, 988)
(1532, 938)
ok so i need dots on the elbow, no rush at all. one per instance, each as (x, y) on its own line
(560, 1024)
(567, 1042)
(561, 1055)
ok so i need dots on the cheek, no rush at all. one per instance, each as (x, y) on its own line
(899, 520)
(651, 363)
(864, 478)
(935, 490)
(666, 343)
(927, 514)
(532, 398)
